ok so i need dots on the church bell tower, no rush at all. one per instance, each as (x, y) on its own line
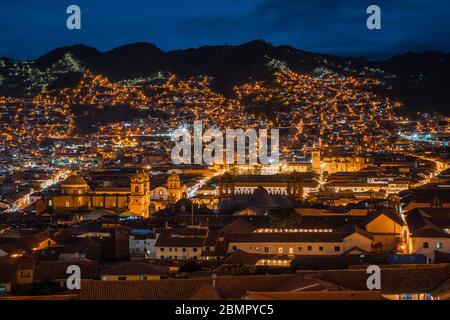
(140, 194)
(295, 187)
(226, 187)
(316, 160)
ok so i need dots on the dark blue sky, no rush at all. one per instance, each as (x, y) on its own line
(30, 28)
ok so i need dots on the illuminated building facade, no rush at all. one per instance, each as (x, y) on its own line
(294, 185)
(140, 194)
(332, 164)
(138, 200)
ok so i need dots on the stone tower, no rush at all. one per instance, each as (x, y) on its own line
(174, 187)
(295, 187)
(316, 160)
(226, 187)
(140, 194)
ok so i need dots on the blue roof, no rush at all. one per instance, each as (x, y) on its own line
(406, 259)
(141, 231)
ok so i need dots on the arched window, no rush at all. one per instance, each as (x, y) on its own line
(439, 245)
(426, 245)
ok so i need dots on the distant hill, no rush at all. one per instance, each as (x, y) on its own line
(419, 80)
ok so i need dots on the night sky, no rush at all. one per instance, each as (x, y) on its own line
(30, 28)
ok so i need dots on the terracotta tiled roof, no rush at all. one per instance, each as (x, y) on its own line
(26, 243)
(235, 287)
(330, 295)
(187, 237)
(442, 289)
(299, 282)
(406, 279)
(57, 270)
(227, 287)
(302, 286)
(183, 289)
(239, 226)
(211, 238)
(428, 222)
(241, 257)
(429, 233)
(208, 293)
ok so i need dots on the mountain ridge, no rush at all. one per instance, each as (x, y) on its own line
(418, 79)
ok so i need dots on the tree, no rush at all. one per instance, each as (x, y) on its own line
(190, 266)
(284, 218)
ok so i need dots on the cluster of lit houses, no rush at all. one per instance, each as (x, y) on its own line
(356, 186)
(150, 227)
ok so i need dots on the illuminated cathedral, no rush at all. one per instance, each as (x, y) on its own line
(139, 200)
(338, 163)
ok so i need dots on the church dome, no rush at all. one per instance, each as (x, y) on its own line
(74, 180)
(74, 184)
(261, 199)
(183, 205)
(260, 192)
